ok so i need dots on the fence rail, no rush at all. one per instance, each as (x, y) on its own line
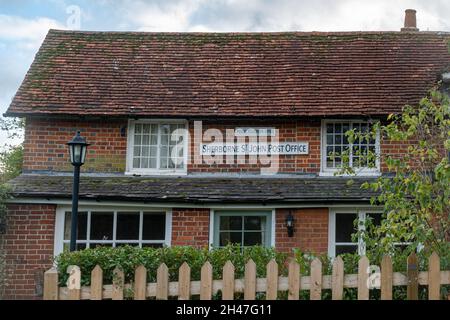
(271, 285)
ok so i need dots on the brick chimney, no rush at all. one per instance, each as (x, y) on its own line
(410, 21)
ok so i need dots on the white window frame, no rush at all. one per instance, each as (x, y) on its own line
(60, 217)
(362, 215)
(272, 215)
(150, 171)
(324, 171)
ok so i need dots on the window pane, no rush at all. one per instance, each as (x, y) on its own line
(345, 227)
(254, 223)
(127, 226)
(346, 249)
(330, 128)
(102, 225)
(376, 218)
(229, 238)
(154, 226)
(231, 223)
(253, 238)
(81, 228)
(78, 246)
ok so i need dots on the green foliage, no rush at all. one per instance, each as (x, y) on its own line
(128, 258)
(416, 197)
(11, 163)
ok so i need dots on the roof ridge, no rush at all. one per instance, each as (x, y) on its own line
(231, 33)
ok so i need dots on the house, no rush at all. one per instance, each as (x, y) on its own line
(180, 125)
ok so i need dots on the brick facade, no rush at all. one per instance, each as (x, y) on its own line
(190, 227)
(46, 149)
(28, 243)
(310, 230)
(45, 145)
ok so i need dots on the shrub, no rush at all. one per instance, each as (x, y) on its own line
(128, 258)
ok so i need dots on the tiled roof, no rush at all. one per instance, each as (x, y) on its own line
(197, 190)
(230, 74)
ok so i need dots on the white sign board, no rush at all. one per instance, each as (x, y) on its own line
(255, 148)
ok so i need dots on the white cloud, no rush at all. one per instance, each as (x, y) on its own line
(17, 28)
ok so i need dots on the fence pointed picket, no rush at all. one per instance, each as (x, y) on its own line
(184, 282)
(74, 283)
(250, 280)
(434, 277)
(337, 279)
(386, 278)
(228, 281)
(363, 278)
(140, 283)
(51, 286)
(97, 283)
(315, 292)
(412, 273)
(293, 280)
(162, 282)
(118, 284)
(206, 279)
(272, 280)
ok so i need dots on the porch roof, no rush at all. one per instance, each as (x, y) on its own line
(191, 189)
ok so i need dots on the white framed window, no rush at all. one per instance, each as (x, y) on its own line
(342, 226)
(243, 227)
(335, 143)
(113, 227)
(157, 147)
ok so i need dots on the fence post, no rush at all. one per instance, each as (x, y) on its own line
(74, 283)
(294, 280)
(337, 279)
(206, 280)
(184, 282)
(434, 277)
(316, 280)
(363, 277)
(97, 283)
(250, 280)
(162, 282)
(412, 289)
(140, 283)
(272, 280)
(51, 284)
(118, 284)
(386, 278)
(228, 281)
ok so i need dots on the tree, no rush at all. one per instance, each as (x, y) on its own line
(416, 196)
(10, 166)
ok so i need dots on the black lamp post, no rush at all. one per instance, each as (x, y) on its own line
(77, 151)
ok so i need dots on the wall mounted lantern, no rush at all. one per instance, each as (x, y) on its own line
(77, 151)
(290, 224)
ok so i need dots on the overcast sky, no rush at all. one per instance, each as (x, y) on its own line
(24, 23)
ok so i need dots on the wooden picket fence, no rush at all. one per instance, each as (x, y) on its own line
(184, 288)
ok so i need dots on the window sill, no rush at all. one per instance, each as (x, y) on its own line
(357, 174)
(156, 173)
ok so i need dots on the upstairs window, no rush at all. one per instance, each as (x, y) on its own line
(157, 147)
(338, 150)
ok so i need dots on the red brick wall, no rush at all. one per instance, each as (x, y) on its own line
(28, 243)
(46, 149)
(289, 131)
(190, 227)
(310, 230)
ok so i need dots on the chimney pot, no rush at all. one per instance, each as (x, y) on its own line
(410, 21)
